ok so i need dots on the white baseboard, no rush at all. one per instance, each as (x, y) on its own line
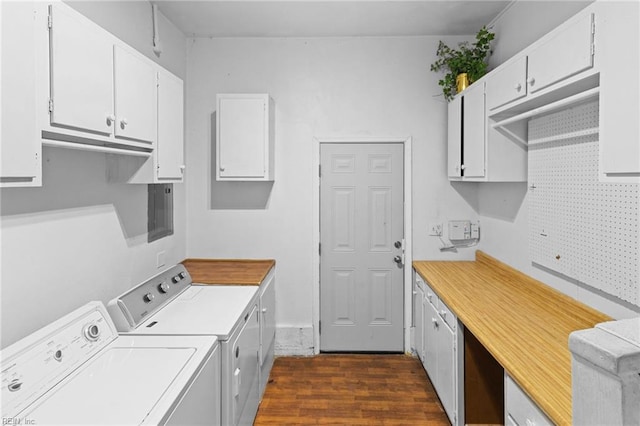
(294, 341)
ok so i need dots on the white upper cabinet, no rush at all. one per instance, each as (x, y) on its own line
(564, 53)
(478, 153)
(507, 84)
(101, 93)
(617, 44)
(81, 73)
(466, 138)
(170, 150)
(568, 52)
(135, 96)
(20, 148)
(473, 131)
(244, 137)
(454, 137)
(166, 163)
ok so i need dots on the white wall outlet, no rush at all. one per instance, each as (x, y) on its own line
(435, 229)
(161, 259)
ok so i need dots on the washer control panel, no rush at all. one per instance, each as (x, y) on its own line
(133, 307)
(38, 362)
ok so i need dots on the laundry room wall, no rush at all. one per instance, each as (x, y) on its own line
(503, 207)
(80, 238)
(322, 87)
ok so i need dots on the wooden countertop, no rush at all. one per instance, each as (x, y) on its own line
(523, 323)
(228, 271)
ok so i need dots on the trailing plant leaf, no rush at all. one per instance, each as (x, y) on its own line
(467, 58)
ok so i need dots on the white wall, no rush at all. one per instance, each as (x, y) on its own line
(503, 207)
(321, 87)
(79, 238)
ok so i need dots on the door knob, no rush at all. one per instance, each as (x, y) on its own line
(397, 244)
(398, 259)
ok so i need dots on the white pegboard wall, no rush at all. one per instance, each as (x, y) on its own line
(583, 228)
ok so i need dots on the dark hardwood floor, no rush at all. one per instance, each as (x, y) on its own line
(349, 390)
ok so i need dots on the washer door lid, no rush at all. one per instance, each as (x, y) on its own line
(122, 386)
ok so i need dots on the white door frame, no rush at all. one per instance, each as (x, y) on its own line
(408, 256)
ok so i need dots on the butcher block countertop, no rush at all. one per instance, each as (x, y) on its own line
(228, 271)
(523, 323)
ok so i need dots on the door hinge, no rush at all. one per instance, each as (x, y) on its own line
(49, 21)
(320, 327)
(50, 105)
(319, 170)
(319, 249)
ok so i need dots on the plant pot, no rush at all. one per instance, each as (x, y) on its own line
(462, 82)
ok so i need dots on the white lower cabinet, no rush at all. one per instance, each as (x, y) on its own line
(519, 410)
(442, 360)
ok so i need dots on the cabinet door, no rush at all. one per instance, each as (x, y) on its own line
(454, 137)
(81, 73)
(507, 84)
(566, 53)
(244, 367)
(473, 131)
(431, 324)
(446, 375)
(418, 300)
(619, 62)
(170, 145)
(135, 96)
(267, 318)
(242, 136)
(19, 140)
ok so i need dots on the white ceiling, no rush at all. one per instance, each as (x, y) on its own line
(334, 18)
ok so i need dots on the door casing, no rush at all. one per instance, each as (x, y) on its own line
(407, 142)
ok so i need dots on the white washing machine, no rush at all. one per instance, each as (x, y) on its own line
(78, 371)
(168, 305)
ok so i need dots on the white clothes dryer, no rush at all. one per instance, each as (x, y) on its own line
(168, 305)
(78, 371)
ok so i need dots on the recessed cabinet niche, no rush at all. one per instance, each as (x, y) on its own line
(244, 137)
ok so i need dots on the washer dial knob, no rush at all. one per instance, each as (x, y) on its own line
(163, 287)
(148, 298)
(91, 332)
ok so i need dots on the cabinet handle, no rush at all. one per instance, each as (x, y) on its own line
(443, 313)
(182, 167)
(110, 119)
(518, 87)
(462, 167)
(264, 310)
(123, 123)
(531, 81)
(435, 322)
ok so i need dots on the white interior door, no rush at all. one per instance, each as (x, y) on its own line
(361, 232)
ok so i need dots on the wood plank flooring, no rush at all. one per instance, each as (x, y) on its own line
(349, 390)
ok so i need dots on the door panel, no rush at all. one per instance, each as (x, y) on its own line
(81, 73)
(566, 54)
(361, 286)
(170, 148)
(135, 97)
(242, 130)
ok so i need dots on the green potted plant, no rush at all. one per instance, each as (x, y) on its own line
(469, 59)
